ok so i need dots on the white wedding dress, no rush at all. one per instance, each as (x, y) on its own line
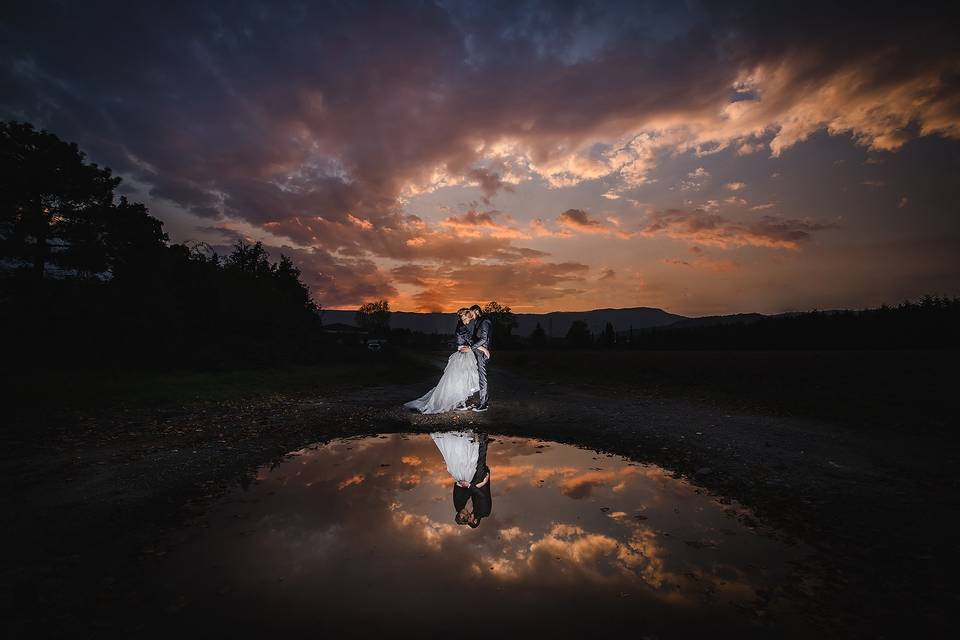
(460, 450)
(460, 379)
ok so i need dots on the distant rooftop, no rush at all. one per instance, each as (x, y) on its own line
(340, 327)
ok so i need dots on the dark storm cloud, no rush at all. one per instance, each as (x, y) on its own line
(206, 93)
(311, 119)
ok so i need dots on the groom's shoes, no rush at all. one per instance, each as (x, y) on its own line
(478, 409)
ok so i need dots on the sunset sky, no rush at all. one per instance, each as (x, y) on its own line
(548, 155)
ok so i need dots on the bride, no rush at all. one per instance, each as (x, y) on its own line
(459, 381)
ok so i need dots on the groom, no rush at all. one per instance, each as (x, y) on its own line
(476, 336)
(477, 491)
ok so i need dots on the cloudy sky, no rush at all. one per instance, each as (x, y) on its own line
(548, 155)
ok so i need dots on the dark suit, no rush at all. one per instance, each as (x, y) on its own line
(477, 334)
(482, 498)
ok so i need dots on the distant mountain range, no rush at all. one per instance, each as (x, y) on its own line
(555, 323)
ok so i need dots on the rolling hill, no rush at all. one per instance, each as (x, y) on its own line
(555, 323)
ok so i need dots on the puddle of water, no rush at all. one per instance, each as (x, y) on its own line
(359, 535)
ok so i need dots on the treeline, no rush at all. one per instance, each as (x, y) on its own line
(932, 322)
(929, 323)
(88, 280)
(374, 319)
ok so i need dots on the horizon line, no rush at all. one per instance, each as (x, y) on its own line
(662, 310)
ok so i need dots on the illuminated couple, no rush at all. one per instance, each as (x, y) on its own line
(464, 452)
(466, 370)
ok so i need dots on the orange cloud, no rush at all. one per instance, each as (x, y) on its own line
(519, 282)
(474, 224)
(704, 263)
(716, 230)
(363, 224)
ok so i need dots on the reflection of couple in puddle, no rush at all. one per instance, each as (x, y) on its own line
(466, 456)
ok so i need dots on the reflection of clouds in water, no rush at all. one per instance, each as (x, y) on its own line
(641, 555)
(395, 494)
(431, 532)
(573, 545)
(407, 481)
(569, 554)
(355, 479)
(511, 533)
(574, 482)
(579, 485)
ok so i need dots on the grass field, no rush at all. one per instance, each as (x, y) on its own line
(894, 388)
(344, 370)
(912, 388)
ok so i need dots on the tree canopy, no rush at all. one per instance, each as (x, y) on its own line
(56, 210)
(578, 336)
(88, 278)
(374, 317)
(502, 321)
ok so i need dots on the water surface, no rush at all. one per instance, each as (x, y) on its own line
(358, 535)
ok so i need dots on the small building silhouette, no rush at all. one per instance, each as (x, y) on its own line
(340, 327)
(345, 333)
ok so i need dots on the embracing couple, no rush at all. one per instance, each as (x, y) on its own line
(466, 370)
(465, 453)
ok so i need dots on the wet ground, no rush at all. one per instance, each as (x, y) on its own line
(576, 541)
(101, 508)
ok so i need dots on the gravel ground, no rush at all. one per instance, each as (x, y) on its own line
(96, 500)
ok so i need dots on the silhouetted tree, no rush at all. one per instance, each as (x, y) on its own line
(609, 335)
(122, 294)
(538, 337)
(287, 277)
(503, 322)
(251, 259)
(55, 207)
(374, 317)
(578, 336)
